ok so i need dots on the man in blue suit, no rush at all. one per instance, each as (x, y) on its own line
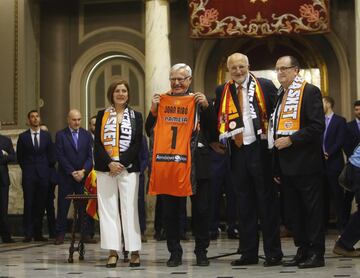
(7, 155)
(74, 155)
(35, 154)
(333, 142)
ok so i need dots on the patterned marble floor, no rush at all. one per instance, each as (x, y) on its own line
(47, 260)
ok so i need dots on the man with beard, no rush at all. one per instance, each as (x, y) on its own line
(35, 154)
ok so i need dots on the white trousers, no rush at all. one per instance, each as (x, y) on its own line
(125, 185)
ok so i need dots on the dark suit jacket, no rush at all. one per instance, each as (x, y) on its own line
(207, 135)
(69, 158)
(352, 137)
(267, 87)
(304, 156)
(130, 156)
(34, 162)
(334, 142)
(6, 145)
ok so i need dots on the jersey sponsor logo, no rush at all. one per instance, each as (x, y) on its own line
(164, 157)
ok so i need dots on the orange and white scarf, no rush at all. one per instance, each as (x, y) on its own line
(290, 109)
(110, 133)
(230, 120)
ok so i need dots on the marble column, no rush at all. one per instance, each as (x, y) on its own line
(157, 49)
(157, 64)
(55, 62)
(357, 38)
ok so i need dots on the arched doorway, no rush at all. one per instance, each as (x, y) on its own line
(97, 67)
(106, 70)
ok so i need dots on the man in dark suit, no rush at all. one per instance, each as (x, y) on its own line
(352, 140)
(50, 207)
(7, 155)
(74, 154)
(249, 162)
(353, 131)
(35, 154)
(333, 142)
(298, 125)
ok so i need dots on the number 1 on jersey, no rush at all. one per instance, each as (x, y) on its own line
(174, 130)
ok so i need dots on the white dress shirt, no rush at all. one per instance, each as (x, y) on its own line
(249, 133)
(37, 136)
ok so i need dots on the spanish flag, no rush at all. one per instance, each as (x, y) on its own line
(90, 188)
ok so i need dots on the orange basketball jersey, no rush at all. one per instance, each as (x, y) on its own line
(174, 135)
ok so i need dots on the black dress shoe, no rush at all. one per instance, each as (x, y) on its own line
(183, 236)
(232, 234)
(201, 259)
(272, 261)
(300, 257)
(214, 235)
(27, 239)
(8, 240)
(175, 260)
(245, 261)
(313, 261)
(40, 238)
(159, 236)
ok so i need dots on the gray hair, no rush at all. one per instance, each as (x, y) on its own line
(181, 66)
(237, 56)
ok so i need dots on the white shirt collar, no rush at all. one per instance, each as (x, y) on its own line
(73, 130)
(32, 132)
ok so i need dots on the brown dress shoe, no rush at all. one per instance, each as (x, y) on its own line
(27, 239)
(339, 249)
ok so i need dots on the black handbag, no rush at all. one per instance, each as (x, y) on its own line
(346, 177)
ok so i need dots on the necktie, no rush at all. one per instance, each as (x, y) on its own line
(75, 138)
(36, 142)
(327, 120)
(238, 138)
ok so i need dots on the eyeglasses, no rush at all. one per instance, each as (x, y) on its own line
(180, 80)
(282, 69)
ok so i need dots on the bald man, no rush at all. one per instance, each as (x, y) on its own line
(74, 155)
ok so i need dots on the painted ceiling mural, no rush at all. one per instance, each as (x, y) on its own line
(257, 18)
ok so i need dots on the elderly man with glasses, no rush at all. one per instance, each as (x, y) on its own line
(297, 127)
(180, 160)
